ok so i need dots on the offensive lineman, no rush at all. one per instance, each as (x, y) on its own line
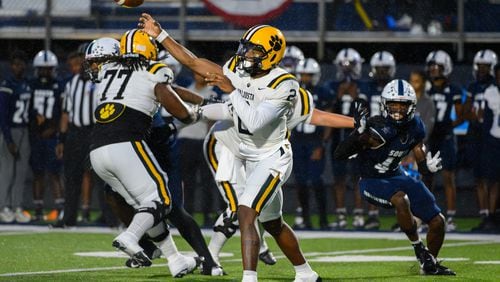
(130, 93)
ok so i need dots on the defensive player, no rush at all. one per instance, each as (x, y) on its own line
(380, 149)
(263, 99)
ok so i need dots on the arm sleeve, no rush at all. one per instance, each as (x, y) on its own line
(349, 147)
(255, 118)
(4, 113)
(217, 112)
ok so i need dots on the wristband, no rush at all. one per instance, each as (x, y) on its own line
(162, 36)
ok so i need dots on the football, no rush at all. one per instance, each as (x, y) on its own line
(129, 3)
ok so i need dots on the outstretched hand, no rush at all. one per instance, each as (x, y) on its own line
(433, 163)
(221, 81)
(149, 25)
(360, 116)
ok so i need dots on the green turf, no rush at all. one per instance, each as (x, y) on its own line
(30, 252)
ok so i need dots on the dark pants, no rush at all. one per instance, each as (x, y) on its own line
(192, 165)
(76, 161)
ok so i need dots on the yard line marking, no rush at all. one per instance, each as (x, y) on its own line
(73, 270)
(487, 262)
(361, 258)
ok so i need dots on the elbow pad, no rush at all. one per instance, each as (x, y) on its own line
(194, 114)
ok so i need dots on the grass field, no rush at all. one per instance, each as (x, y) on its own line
(39, 254)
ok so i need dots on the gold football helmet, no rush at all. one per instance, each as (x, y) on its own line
(136, 41)
(261, 48)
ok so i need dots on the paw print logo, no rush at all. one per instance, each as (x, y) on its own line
(107, 111)
(276, 43)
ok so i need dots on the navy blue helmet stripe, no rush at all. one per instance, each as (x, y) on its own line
(380, 56)
(482, 54)
(400, 87)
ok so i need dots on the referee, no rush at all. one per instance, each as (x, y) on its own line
(75, 129)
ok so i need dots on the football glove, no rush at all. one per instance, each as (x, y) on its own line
(360, 116)
(213, 99)
(433, 163)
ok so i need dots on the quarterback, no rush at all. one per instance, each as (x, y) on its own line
(262, 97)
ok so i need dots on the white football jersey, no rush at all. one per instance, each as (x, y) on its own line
(279, 90)
(226, 133)
(133, 88)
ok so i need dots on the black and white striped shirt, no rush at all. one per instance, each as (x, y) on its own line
(80, 101)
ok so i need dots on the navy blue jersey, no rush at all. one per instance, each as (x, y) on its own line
(14, 105)
(384, 160)
(311, 132)
(46, 100)
(373, 91)
(444, 100)
(475, 91)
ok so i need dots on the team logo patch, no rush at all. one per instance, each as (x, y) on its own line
(109, 112)
(276, 43)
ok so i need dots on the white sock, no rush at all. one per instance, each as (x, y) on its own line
(216, 243)
(249, 276)
(168, 248)
(303, 269)
(141, 223)
(263, 244)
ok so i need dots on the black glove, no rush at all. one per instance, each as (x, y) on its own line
(213, 99)
(360, 116)
(376, 122)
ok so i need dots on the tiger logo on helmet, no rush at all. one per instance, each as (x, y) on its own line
(136, 42)
(265, 45)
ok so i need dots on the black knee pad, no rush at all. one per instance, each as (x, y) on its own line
(158, 210)
(229, 225)
(158, 232)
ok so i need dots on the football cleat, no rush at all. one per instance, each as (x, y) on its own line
(22, 216)
(372, 223)
(451, 226)
(267, 257)
(183, 265)
(428, 264)
(125, 242)
(53, 215)
(7, 216)
(214, 271)
(340, 223)
(313, 277)
(358, 222)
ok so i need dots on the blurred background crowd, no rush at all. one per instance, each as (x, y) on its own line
(342, 51)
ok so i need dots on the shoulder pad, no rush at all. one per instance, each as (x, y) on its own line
(160, 73)
(380, 128)
(279, 79)
(306, 102)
